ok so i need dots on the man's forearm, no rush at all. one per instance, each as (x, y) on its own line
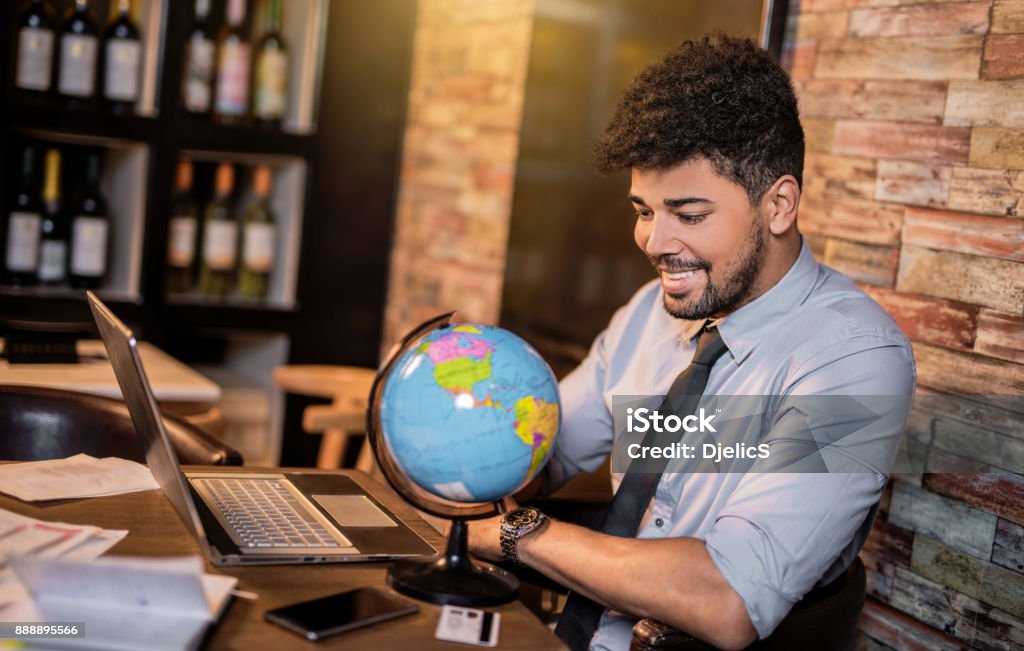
(672, 580)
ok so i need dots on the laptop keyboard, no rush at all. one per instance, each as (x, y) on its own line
(264, 513)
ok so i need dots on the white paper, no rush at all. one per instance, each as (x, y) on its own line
(11, 590)
(93, 547)
(78, 476)
(21, 535)
(129, 603)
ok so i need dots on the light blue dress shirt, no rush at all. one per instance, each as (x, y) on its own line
(773, 536)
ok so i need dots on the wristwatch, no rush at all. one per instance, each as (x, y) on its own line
(516, 524)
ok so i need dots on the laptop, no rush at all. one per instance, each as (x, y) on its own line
(243, 518)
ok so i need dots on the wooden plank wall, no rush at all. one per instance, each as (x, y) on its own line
(914, 116)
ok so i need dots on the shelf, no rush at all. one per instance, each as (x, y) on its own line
(42, 291)
(286, 202)
(93, 124)
(228, 316)
(122, 184)
(199, 133)
(149, 17)
(62, 304)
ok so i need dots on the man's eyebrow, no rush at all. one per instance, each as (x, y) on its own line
(683, 201)
(671, 203)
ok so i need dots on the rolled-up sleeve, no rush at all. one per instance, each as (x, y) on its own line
(779, 533)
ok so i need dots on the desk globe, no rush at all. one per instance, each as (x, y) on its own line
(460, 416)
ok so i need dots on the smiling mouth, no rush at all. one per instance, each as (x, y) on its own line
(680, 275)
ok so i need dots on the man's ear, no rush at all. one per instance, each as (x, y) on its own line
(779, 204)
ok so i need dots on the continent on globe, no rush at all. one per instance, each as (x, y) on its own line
(537, 424)
(460, 361)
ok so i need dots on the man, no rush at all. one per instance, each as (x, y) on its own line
(713, 139)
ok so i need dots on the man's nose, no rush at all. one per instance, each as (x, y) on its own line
(662, 238)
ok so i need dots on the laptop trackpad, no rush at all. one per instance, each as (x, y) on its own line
(354, 511)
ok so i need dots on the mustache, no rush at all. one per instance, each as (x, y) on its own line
(671, 264)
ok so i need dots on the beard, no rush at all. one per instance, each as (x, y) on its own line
(723, 296)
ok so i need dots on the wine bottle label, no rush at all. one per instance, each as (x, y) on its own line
(233, 79)
(271, 92)
(77, 65)
(199, 75)
(52, 255)
(121, 81)
(258, 247)
(183, 237)
(219, 245)
(23, 241)
(89, 246)
(35, 57)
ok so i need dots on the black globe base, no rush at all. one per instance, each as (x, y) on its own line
(452, 578)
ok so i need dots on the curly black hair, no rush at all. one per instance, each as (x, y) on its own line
(722, 99)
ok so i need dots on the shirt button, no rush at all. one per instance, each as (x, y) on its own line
(658, 522)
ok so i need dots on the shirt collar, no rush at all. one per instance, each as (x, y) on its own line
(743, 329)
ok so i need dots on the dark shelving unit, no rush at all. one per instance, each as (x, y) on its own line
(349, 165)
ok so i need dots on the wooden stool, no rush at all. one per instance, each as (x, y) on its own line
(349, 389)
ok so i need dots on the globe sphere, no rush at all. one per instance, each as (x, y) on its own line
(469, 412)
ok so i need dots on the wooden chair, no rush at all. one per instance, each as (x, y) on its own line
(349, 389)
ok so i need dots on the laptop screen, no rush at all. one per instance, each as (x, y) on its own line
(160, 456)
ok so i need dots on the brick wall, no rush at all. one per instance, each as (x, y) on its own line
(459, 161)
(914, 116)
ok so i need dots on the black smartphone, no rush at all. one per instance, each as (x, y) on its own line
(338, 613)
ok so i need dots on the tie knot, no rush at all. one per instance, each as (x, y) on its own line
(709, 347)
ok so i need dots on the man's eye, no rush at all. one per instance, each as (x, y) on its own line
(644, 214)
(688, 218)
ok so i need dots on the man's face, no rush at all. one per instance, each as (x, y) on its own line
(702, 236)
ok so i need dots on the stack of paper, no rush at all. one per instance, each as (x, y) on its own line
(23, 536)
(125, 603)
(77, 476)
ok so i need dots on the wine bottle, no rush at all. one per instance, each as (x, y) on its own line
(90, 232)
(220, 238)
(231, 99)
(122, 58)
(76, 79)
(23, 227)
(181, 249)
(34, 59)
(53, 245)
(258, 238)
(197, 86)
(270, 87)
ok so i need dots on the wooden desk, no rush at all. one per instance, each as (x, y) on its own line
(155, 530)
(171, 380)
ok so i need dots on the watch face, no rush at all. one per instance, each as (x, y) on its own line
(527, 515)
(516, 524)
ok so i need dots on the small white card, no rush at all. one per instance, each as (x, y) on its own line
(468, 625)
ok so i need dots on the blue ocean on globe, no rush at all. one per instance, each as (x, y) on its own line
(470, 412)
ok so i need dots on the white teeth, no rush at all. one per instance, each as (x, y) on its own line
(680, 275)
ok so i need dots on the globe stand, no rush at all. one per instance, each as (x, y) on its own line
(452, 577)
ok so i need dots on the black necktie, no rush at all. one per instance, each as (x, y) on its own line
(580, 617)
